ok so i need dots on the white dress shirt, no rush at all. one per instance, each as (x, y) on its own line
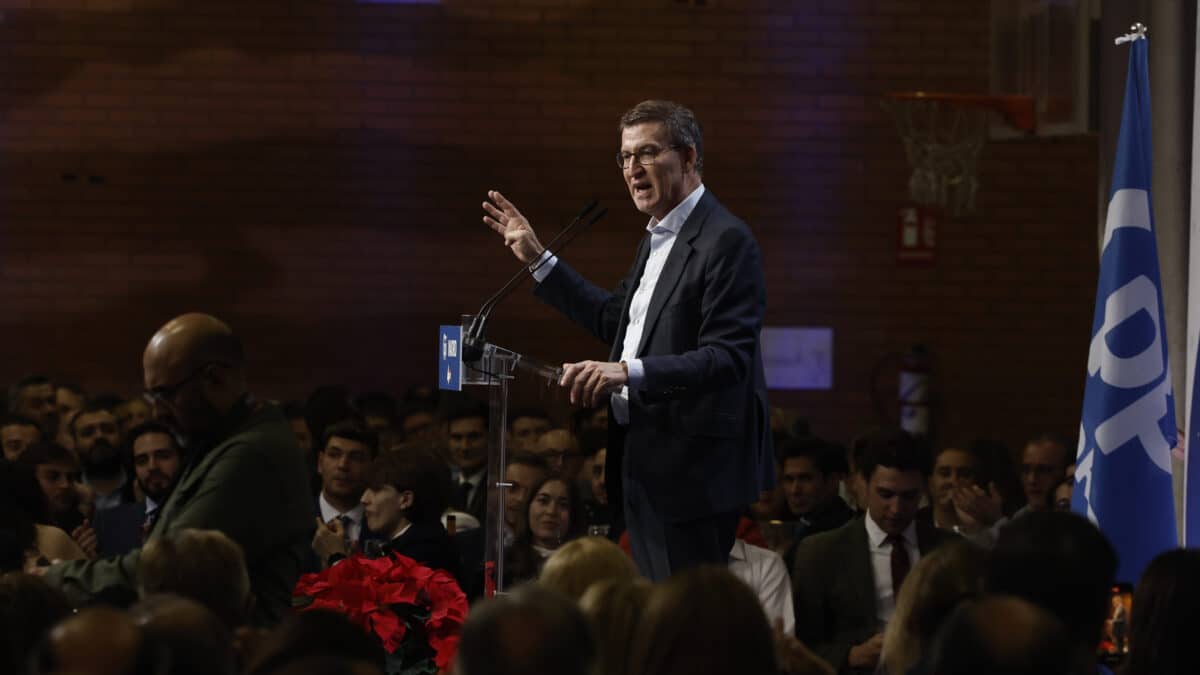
(662, 239)
(881, 565)
(329, 512)
(764, 572)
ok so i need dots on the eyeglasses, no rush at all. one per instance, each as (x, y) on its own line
(166, 393)
(646, 156)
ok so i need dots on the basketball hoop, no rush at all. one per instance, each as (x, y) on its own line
(943, 135)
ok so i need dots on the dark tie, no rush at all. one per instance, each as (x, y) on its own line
(462, 497)
(347, 523)
(900, 563)
(148, 523)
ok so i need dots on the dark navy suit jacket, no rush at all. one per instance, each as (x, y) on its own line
(698, 437)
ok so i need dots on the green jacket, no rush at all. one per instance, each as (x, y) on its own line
(252, 486)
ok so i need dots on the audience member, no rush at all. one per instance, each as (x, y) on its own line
(203, 565)
(325, 406)
(96, 437)
(156, 465)
(578, 564)
(242, 477)
(525, 426)
(590, 419)
(810, 471)
(294, 411)
(1166, 616)
(764, 571)
(33, 397)
(29, 607)
(554, 514)
(16, 434)
(522, 474)
(68, 400)
(311, 634)
(1043, 464)
(531, 631)
(418, 422)
(133, 412)
(1002, 635)
(594, 445)
(561, 451)
(962, 496)
(403, 503)
(344, 465)
(58, 475)
(936, 585)
(613, 608)
(703, 621)
(378, 411)
(22, 511)
(467, 441)
(1062, 563)
(846, 580)
(99, 641)
(193, 637)
(1062, 494)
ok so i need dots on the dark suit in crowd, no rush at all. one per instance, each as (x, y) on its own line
(834, 586)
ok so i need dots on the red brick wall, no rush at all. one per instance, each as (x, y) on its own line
(312, 172)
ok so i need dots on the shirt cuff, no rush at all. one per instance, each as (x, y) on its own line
(636, 372)
(543, 266)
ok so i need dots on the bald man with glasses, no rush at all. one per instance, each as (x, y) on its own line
(243, 474)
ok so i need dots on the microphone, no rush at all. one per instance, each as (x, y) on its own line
(473, 339)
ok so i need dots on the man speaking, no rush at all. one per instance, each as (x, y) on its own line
(690, 441)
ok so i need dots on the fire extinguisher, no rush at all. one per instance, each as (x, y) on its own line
(915, 370)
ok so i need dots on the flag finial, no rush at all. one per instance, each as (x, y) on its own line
(1137, 32)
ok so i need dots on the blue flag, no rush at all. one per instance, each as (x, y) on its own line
(1123, 467)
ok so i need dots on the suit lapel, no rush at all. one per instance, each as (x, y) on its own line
(672, 271)
(858, 558)
(635, 279)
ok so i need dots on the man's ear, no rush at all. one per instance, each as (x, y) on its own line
(689, 159)
(406, 500)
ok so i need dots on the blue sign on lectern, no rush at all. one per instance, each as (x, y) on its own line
(450, 358)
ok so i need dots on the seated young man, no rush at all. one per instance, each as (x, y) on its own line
(403, 502)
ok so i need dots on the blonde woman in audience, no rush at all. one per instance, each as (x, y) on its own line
(931, 591)
(578, 564)
(613, 608)
(204, 565)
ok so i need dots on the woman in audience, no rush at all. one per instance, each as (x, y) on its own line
(1166, 616)
(21, 508)
(574, 567)
(614, 607)
(704, 621)
(934, 587)
(554, 514)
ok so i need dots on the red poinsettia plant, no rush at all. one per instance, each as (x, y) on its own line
(416, 612)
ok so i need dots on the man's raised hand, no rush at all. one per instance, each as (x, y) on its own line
(506, 220)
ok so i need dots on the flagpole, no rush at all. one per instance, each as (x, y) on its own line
(1127, 427)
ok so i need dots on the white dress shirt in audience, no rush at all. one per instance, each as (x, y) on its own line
(355, 517)
(764, 572)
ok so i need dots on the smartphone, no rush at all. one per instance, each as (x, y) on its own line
(1114, 645)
